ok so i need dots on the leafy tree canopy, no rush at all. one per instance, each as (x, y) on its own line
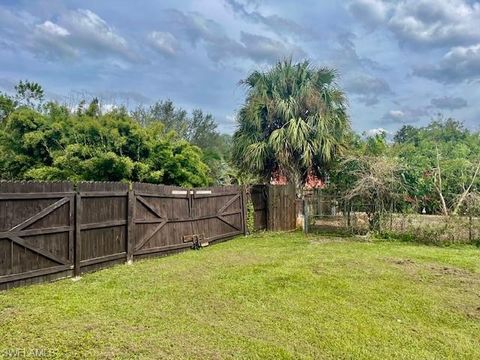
(293, 122)
(54, 144)
(458, 152)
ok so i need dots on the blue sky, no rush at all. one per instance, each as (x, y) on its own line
(400, 62)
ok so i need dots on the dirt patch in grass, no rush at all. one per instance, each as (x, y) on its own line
(327, 239)
(435, 269)
(414, 267)
(447, 277)
(403, 262)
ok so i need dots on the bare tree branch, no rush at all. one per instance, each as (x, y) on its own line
(467, 190)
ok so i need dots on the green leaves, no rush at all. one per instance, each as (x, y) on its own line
(58, 145)
(293, 121)
(459, 152)
(256, 154)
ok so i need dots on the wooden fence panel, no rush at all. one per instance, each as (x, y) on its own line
(218, 212)
(48, 230)
(162, 218)
(275, 207)
(258, 195)
(281, 208)
(103, 224)
(36, 232)
(168, 217)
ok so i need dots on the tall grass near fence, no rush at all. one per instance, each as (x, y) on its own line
(327, 214)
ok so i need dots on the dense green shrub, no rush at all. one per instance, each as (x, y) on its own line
(56, 144)
(250, 216)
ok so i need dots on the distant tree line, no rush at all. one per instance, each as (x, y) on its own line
(293, 126)
(433, 169)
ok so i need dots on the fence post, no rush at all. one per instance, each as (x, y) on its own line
(78, 236)
(305, 216)
(130, 223)
(470, 228)
(269, 207)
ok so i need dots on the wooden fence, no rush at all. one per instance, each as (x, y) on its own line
(55, 230)
(274, 207)
(37, 232)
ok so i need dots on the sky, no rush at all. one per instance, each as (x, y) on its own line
(399, 62)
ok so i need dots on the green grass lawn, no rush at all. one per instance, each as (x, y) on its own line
(265, 296)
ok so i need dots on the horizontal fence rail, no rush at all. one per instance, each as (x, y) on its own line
(327, 213)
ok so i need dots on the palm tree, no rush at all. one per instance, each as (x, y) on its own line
(293, 123)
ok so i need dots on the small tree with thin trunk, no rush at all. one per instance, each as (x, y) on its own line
(378, 183)
(467, 188)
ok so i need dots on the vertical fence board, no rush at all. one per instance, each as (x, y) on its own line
(130, 224)
(78, 238)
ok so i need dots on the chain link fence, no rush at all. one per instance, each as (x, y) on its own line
(326, 213)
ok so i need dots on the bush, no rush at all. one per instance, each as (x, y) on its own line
(250, 216)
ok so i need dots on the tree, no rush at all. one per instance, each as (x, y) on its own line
(89, 145)
(442, 158)
(202, 130)
(7, 105)
(407, 133)
(293, 122)
(376, 182)
(29, 94)
(376, 145)
(199, 128)
(172, 117)
(467, 188)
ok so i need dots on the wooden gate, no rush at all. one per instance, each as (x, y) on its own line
(281, 207)
(101, 228)
(48, 230)
(36, 231)
(274, 206)
(168, 218)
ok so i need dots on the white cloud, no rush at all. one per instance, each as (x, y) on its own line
(376, 131)
(406, 115)
(51, 40)
(459, 64)
(436, 23)
(164, 42)
(220, 47)
(261, 48)
(53, 29)
(279, 25)
(106, 108)
(429, 23)
(396, 114)
(77, 32)
(92, 33)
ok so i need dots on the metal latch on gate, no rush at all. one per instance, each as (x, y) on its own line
(197, 240)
